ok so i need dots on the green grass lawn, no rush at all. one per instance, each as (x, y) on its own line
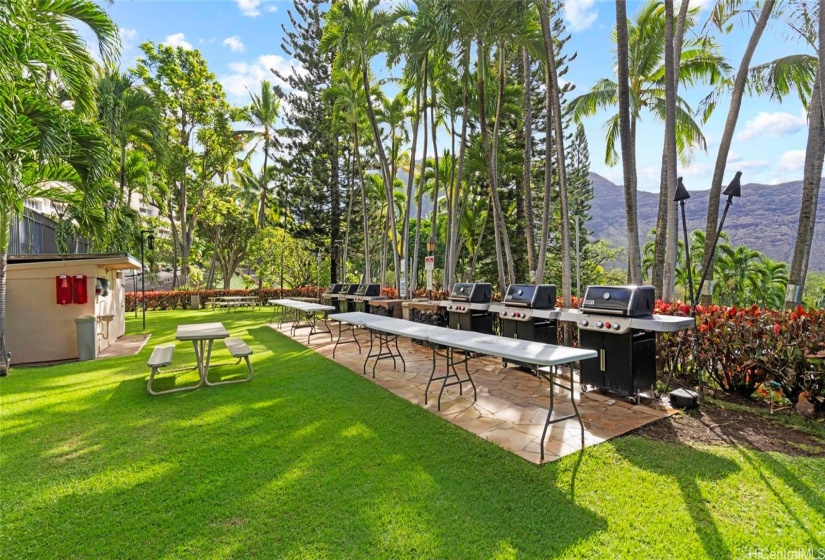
(310, 460)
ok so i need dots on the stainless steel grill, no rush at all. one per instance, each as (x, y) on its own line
(364, 294)
(343, 299)
(618, 322)
(468, 307)
(528, 312)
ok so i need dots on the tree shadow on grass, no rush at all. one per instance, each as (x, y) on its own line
(303, 461)
(687, 466)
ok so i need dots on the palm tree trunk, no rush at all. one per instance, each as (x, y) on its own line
(480, 239)
(264, 185)
(666, 237)
(634, 259)
(548, 174)
(367, 271)
(671, 81)
(814, 152)
(727, 138)
(566, 268)
(505, 235)
(385, 168)
(458, 213)
(351, 196)
(491, 170)
(123, 172)
(450, 195)
(434, 212)
(410, 181)
(527, 196)
(420, 192)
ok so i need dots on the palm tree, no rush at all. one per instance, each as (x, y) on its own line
(348, 101)
(38, 138)
(699, 61)
(262, 113)
(558, 129)
(769, 283)
(356, 31)
(814, 154)
(721, 17)
(669, 233)
(129, 115)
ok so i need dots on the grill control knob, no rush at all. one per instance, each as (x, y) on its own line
(503, 313)
(584, 322)
(599, 324)
(607, 325)
(616, 326)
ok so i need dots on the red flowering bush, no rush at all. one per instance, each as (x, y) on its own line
(740, 349)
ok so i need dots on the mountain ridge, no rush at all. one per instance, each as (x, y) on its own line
(764, 219)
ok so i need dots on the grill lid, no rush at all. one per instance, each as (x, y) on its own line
(480, 292)
(348, 289)
(625, 301)
(542, 296)
(368, 290)
(334, 288)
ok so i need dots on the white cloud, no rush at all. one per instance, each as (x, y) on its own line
(772, 124)
(272, 8)
(249, 7)
(792, 161)
(234, 43)
(177, 40)
(128, 37)
(245, 76)
(580, 14)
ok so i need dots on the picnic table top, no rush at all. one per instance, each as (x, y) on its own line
(202, 331)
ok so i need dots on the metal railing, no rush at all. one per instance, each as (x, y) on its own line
(35, 234)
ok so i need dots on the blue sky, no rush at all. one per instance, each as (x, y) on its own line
(241, 39)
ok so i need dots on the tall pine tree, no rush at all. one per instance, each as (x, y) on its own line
(311, 148)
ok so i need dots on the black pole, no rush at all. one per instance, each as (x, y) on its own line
(687, 255)
(734, 189)
(142, 282)
(712, 253)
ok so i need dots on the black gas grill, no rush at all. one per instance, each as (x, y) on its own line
(618, 322)
(529, 312)
(364, 294)
(344, 298)
(327, 296)
(468, 307)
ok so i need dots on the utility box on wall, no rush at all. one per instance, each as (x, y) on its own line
(64, 289)
(80, 290)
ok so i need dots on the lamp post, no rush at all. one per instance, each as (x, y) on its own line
(681, 196)
(430, 264)
(734, 189)
(150, 240)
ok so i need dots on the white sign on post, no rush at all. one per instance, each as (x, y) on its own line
(429, 263)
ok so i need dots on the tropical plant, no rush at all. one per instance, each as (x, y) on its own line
(44, 67)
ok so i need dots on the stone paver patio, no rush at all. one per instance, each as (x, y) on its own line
(512, 404)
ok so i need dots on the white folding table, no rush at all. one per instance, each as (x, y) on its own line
(543, 358)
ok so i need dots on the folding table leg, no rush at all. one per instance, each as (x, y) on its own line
(551, 379)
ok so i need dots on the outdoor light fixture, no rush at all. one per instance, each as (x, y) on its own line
(681, 196)
(151, 243)
(734, 189)
(431, 244)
